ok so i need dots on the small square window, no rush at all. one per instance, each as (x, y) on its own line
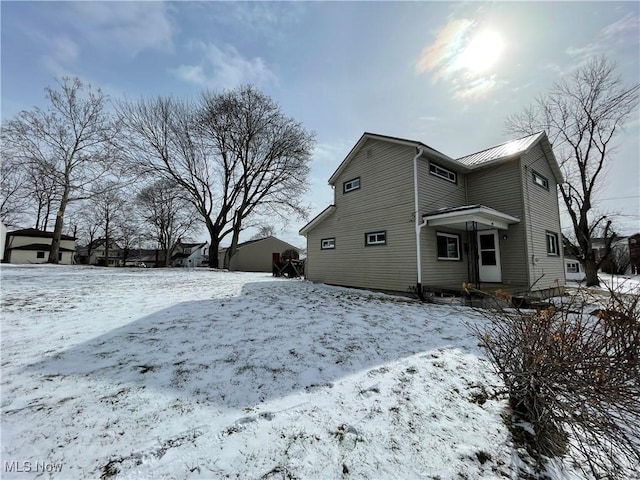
(552, 244)
(448, 246)
(375, 238)
(573, 267)
(328, 244)
(540, 180)
(351, 185)
(40, 255)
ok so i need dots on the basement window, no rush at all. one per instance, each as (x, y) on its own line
(328, 244)
(351, 185)
(442, 172)
(375, 238)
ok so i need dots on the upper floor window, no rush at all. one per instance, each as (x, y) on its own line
(448, 246)
(552, 244)
(327, 243)
(351, 185)
(375, 238)
(442, 172)
(540, 180)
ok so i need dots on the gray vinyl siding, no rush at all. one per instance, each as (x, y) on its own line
(500, 187)
(541, 209)
(435, 193)
(442, 273)
(384, 202)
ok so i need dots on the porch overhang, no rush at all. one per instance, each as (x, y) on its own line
(468, 216)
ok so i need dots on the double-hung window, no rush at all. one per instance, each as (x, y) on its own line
(448, 246)
(552, 244)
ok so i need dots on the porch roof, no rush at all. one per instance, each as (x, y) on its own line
(460, 217)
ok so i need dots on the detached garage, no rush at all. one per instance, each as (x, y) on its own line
(257, 255)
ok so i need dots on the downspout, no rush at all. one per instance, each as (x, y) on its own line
(418, 225)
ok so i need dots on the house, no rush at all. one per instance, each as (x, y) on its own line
(408, 218)
(634, 253)
(257, 255)
(94, 254)
(3, 238)
(145, 257)
(30, 245)
(190, 254)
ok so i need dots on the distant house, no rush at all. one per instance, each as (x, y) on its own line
(257, 255)
(408, 218)
(190, 254)
(94, 254)
(150, 258)
(634, 253)
(30, 245)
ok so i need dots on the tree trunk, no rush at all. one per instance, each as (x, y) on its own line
(591, 272)
(57, 231)
(231, 251)
(106, 242)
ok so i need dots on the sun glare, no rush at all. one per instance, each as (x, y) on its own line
(482, 52)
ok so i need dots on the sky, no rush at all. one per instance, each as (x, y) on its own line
(443, 73)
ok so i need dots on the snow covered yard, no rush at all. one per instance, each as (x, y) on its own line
(139, 373)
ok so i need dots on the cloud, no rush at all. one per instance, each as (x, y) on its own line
(621, 32)
(440, 57)
(131, 27)
(462, 56)
(65, 52)
(224, 68)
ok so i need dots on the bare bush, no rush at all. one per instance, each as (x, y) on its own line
(572, 372)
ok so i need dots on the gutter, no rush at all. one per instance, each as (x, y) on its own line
(418, 225)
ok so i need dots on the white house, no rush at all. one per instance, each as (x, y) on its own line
(30, 245)
(190, 254)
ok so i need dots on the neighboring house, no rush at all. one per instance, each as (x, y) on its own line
(634, 253)
(3, 238)
(94, 254)
(190, 254)
(30, 245)
(573, 268)
(257, 255)
(150, 258)
(619, 261)
(408, 218)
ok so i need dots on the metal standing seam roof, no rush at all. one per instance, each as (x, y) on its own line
(504, 150)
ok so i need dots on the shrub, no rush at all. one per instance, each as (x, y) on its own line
(572, 372)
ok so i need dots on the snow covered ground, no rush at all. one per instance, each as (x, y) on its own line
(197, 374)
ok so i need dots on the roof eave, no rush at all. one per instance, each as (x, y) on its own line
(318, 219)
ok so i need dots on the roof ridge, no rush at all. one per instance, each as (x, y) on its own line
(500, 145)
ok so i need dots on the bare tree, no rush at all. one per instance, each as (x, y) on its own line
(13, 198)
(263, 232)
(170, 216)
(234, 156)
(266, 156)
(582, 115)
(70, 142)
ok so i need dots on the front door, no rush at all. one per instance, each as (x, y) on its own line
(489, 256)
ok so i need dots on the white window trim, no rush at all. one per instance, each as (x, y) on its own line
(553, 249)
(444, 173)
(330, 245)
(368, 242)
(540, 180)
(351, 185)
(449, 235)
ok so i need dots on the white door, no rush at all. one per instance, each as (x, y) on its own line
(489, 256)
